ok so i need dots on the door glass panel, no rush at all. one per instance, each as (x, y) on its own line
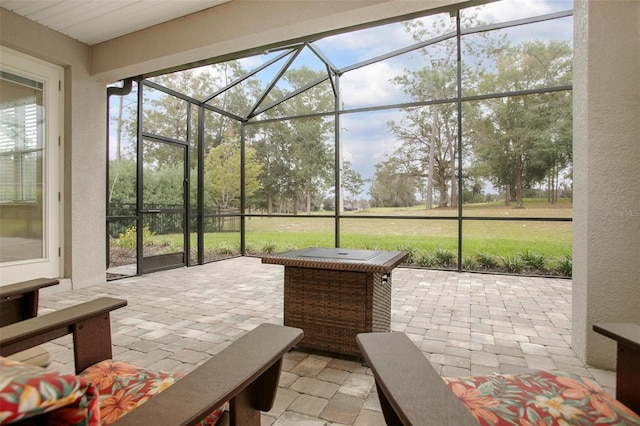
(163, 212)
(22, 195)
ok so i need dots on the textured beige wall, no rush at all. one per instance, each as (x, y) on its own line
(239, 26)
(606, 257)
(84, 143)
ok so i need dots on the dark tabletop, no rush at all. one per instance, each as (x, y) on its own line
(340, 259)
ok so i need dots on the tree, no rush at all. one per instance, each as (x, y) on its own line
(297, 154)
(391, 188)
(122, 184)
(428, 148)
(429, 134)
(166, 115)
(520, 140)
(352, 182)
(273, 159)
(164, 185)
(472, 188)
(127, 105)
(222, 172)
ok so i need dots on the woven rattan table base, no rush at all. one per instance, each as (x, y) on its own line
(333, 306)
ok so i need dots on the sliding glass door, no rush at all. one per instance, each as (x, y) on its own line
(30, 198)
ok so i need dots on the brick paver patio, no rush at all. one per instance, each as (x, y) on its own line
(465, 324)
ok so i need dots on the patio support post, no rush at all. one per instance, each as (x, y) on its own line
(186, 185)
(127, 85)
(338, 163)
(459, 106)
(139, 183)
(606, 209)
(200, 191)
(242, 189)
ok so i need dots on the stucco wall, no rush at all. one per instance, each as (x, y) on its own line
(606, 257)
(83, 144)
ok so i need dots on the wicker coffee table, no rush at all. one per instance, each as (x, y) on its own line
(334, 294)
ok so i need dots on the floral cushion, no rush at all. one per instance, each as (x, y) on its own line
(123, 387)
(27, 391)
(542, 398)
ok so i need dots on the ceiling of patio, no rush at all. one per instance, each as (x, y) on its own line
(95, 21)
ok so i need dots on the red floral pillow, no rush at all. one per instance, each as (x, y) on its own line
(123, 387)
(27, 391)
(542, 398)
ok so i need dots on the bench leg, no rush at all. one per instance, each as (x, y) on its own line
(259, 396)
(92, 342)
(390, 417)
(628, 377)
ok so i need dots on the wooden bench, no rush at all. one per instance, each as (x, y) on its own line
(412, 393)
(245, 374)
(627, 361)
(19, 302)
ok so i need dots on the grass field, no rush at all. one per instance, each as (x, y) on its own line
(521, 246)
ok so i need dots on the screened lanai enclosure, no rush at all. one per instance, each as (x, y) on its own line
(447, 135)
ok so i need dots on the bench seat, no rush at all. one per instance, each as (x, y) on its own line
(234, 386)
(412, 393)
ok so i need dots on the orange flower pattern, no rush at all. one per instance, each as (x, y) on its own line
(475, 402)
(123, 387)
(545, 398)
(27, 391)
(112, 407)
(98, 396)
(104, 373)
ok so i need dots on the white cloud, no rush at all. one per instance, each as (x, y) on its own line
(366, 139)
(508, 10)
(253, 62)
(351, 48)
(371, 86)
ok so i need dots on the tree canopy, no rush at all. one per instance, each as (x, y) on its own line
(520, 140)
(222, 172)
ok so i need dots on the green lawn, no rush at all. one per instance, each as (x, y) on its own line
(503, 240)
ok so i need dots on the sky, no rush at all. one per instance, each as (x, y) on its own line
(365, 137)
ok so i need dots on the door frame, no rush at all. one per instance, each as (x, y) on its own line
(148, 264)
(51, 264)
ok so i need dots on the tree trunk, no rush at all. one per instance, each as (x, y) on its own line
(119, 129)
(442, 189)
(554, 186)
(556, 180)
(269, 203)
(432, 154)
(519, 191)
(454, 181)
(507, 195)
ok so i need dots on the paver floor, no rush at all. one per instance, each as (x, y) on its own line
(465, 324)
